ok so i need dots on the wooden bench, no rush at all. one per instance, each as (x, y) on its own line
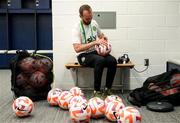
(76, 66)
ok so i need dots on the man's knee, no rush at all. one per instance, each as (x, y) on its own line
(111, 61)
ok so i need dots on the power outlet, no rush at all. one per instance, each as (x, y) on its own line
(146, 62)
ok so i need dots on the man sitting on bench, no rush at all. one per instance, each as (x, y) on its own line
(86, 35)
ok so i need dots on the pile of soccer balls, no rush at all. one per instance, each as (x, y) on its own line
(33, 73)
(80, 109)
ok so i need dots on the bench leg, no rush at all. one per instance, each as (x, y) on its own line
(122, 80)
(76, 84)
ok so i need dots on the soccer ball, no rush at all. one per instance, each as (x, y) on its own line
(64, 99)
(129, 115)
(22, 80)
(44, 65)
(97, 107)
(102, 49)
(76, 91)
(77, 99)
(27, 65)
(175, 81)
(53, 95)
(112, 98)
(38, 79)
(22, 106)
(113, 109)
(80, 113)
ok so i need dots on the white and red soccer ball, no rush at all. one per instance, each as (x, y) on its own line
(22, 106)
(103, 50)
(76, 91)
(77, 99)
(80, 113)
(53, 96)
(129, 115)
(64, 99)
(97, 107)
(112, 98)
(112, 110)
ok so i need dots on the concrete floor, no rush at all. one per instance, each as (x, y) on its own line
(43, 113)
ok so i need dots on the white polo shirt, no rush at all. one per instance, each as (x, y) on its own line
(83, 34)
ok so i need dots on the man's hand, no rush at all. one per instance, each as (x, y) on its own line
(101, 41)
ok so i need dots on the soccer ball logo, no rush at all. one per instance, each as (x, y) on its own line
(80, 113)
(113, 109)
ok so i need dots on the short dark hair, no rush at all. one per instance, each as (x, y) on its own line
(83, 8)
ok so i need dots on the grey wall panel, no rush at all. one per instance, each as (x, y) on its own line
(106, 20)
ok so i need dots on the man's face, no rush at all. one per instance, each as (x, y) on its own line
(87, 17)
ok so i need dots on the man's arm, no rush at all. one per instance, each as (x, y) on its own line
(82, 47)
(78, 47)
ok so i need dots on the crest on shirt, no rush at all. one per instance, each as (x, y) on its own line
(94, 28)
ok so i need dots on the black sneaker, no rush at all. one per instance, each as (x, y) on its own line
(97, 94)
(107, 92)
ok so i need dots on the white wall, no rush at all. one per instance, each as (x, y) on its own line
(145, 29)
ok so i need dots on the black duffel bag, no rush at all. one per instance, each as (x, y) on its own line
(162, 87)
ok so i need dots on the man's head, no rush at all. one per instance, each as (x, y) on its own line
(85, 13)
